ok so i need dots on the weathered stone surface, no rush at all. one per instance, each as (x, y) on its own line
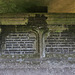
(59, 42)
(47, 48)
(20, 43)
(22, 18)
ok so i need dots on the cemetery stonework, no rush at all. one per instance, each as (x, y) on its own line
(37, 41)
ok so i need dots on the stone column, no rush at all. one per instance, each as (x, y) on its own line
(41, 43)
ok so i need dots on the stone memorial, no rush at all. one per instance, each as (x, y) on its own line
(20, 43)
(59, 43)
(41, 35)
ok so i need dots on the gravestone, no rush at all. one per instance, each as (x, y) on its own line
(37, 37)
(58, 43)
(19, 40)
(20, 43)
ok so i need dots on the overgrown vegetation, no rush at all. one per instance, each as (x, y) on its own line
(11, 6)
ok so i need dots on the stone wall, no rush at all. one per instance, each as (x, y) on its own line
(40, 41)
(38, 38)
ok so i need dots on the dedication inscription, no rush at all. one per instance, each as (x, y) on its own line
(59, 42)
(20, 43)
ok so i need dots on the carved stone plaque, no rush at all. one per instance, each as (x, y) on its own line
(59, 42)
(20, 43)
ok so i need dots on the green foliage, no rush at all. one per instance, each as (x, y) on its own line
(7, 6)
(10, 6)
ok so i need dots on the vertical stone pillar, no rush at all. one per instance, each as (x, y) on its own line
(41, 40)
(41, 43)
